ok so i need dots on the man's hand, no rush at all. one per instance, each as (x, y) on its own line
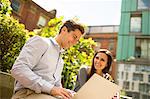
(58, 91)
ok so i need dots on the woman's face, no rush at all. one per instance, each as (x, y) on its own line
(100, 61)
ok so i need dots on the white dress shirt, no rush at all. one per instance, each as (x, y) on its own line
(38, 66)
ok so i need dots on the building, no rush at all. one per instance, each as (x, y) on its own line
(133, 49)
(105, 37)
(31, 14)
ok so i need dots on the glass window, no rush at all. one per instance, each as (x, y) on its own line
(144, 87)
(15, 5)
(127, 67)
(137, 77)
(132, 85)
(143, 4)
(118, 75)
(147, 69)
(143, 68)
(122, 75)
(145, 97)
(41, 22)
(138, 48)
(127, 75)
(142, 48)
(135, 24)
(125, 85)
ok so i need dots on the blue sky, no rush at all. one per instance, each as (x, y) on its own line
(89, 12)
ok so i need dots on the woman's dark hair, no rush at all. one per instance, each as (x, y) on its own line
(72, 26)
(109, 62)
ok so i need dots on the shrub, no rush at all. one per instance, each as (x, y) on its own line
(12, 38)
(5, 7)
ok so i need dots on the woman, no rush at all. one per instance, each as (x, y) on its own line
(101, 64)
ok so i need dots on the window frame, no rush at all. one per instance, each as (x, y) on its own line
(149, 78)
(140, 8)
(38, 22)
(136, 45)
(138, 77)
(135, 14)
(19, 7)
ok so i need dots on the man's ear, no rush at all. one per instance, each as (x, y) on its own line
(64, 29)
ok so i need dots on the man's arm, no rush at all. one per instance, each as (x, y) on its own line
(28, 58)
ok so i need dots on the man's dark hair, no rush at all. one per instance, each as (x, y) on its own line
(72, 26)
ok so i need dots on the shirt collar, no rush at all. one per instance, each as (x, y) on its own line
(54, 42)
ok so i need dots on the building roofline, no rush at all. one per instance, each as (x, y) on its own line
(40, 7)
(102, 25)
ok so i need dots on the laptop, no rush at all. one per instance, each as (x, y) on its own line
(97, 87)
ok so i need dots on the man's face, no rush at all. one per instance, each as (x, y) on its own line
(70, 38)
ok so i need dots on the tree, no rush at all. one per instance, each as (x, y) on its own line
(5, 7)
(75, 57)
(12, 37)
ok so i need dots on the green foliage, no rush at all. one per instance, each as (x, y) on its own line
(5, 7)
(75, 57)
(12, 38)
(52, 29)
(123, 93)
(30, 34)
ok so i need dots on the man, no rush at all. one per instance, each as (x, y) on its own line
(38, 68)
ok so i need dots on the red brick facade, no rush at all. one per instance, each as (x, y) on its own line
(28, 13)
(106, 37)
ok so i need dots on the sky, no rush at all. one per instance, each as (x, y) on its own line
(89, 12)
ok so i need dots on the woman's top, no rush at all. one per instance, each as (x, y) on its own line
(81, 78)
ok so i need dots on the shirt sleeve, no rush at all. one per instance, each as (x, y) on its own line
(58, 83)
(81, 78)
(26, 61)
(61, 64)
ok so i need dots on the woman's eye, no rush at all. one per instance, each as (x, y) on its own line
(102, 59)
(97, 57)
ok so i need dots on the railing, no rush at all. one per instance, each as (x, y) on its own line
(103, 29)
